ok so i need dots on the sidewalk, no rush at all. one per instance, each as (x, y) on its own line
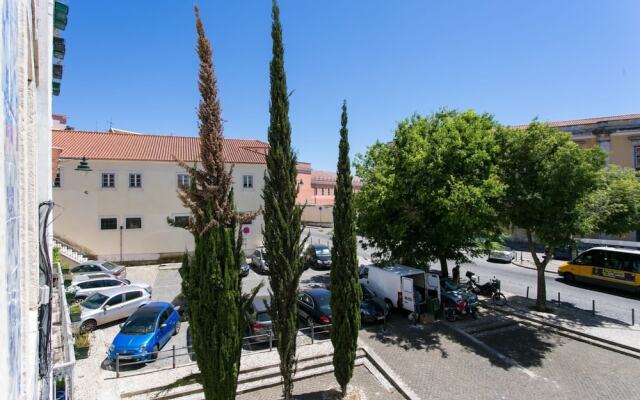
(525, 260)
(578, 321)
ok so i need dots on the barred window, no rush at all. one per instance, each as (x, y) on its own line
(108, 180)
(135, 180)
(108, 223)
(184, 181)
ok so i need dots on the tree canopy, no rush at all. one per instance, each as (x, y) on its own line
(433, 190)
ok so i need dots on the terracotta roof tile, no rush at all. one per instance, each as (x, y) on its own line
(139, 147)
(586, 121)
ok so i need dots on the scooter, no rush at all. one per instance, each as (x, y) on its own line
(459, 303)
(489, 289)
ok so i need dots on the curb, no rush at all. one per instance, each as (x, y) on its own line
(574, 334)
(533, 268)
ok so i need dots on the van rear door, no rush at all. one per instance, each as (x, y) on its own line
(408, 302)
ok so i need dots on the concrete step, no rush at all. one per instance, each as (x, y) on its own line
(249, 380)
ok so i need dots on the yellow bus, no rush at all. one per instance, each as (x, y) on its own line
(605, 266)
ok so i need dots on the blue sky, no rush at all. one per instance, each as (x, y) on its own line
(133, 64)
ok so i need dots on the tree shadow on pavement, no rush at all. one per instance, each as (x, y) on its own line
(323, 280)
(398, 331)
(564, 313)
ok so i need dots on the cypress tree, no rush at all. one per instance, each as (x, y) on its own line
(345, 285)
(210, 278)
(282, 217)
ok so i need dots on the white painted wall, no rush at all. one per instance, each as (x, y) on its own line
(25, 115)
(81, 202)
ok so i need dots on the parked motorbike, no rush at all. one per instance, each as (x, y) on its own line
(458, 302)
(490, 289)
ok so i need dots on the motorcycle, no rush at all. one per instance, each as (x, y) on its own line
(458, 302)
(490, 289)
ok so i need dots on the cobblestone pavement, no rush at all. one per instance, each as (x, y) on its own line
(313, 388)
(438, 363)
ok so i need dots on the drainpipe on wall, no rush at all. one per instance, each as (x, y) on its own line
(120, 244)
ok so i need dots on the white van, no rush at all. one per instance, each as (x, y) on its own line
(400, 286)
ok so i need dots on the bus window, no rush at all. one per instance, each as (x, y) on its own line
(592, 258)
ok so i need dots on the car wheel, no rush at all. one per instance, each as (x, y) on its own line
(154, 354)
(88, 325)
(310, 321)
(569, 277)
(177, 328)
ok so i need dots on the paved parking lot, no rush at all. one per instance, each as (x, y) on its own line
(438, 363)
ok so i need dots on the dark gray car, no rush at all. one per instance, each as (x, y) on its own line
(106, 267)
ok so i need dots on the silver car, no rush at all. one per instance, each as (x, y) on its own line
(111, 305)
(259, 261)
(502, 254)
(105, 267)
(84, 286)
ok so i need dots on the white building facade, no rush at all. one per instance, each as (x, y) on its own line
(118, 211)
(25, 184)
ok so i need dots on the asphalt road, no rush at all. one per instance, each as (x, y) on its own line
(609, 302)
(612, 303)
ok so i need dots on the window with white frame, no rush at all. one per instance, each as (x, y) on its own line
(133, 222)
(184, 180)
(57, 180)
(108, 180)
(636, 153)
(108, 223)
(135, 180)
(247, 181)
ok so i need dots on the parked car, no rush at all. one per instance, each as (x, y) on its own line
(145, 332)
(314, 306)
(84, 286)
(317, 256)
(244, 269)
(259, 319)
(372, 307)
(111, 305)
(106, 267)
(502, 254)
(259, 261)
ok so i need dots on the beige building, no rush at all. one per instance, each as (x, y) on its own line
(118, 210)
(618, 136)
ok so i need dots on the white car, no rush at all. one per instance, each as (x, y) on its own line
(110, 305)
(259, 261)
(502, 254)
(84, 286)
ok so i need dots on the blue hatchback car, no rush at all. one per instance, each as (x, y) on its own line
(145, 332)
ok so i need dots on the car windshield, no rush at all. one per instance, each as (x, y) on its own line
(366, 293)
(109, 266)
(263, 317)
(324, 303)
(128, 282)
(94, 301)
(322, 251)
(139, 325)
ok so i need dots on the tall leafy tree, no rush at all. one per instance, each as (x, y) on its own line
(549, 179)
(614, 208)
(345, 286)
(431, 192)
(282, 217)
(210, 278)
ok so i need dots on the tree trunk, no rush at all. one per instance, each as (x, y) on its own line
(443, 267)
(541, 265)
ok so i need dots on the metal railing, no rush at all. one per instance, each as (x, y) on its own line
(176, 352)
(65, 369)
